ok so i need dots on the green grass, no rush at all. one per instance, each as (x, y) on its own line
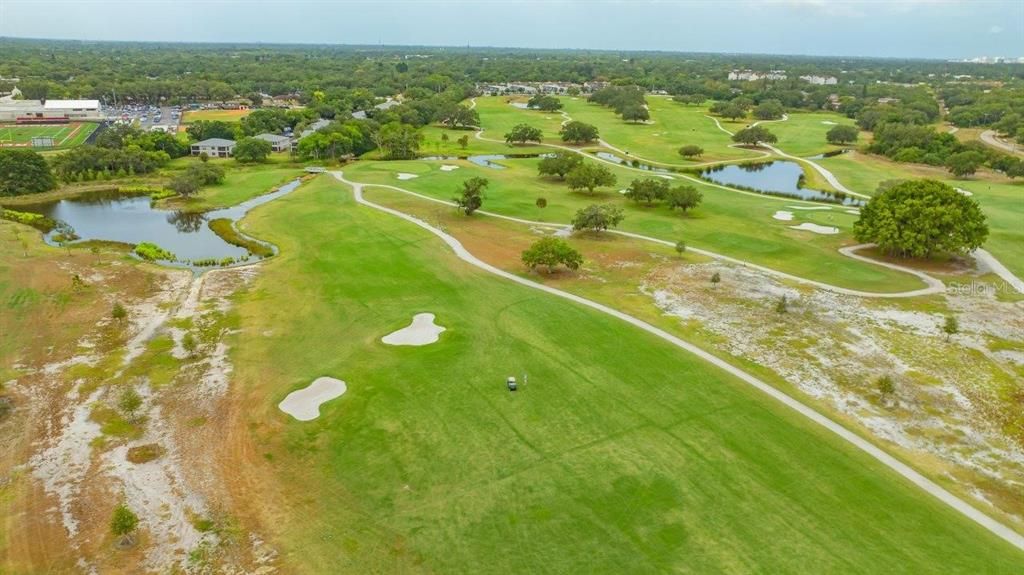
(675, 125)
(803, 134)
(240, 184)
(1001, 200)
(734, 224)
(621, 454)
(213, 115)
(64, 135)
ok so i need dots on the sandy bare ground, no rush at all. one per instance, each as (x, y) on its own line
(75, 460)
(884, 457)
(422, 331)
(304, 404)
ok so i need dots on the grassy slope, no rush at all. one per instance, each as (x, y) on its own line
(622, 454)
(803, 134)
(1002, 200)
(674, 125)
(730, 223)
(240, 184)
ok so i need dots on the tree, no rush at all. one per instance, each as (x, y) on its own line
(691, 151)
(769, 110)
(471, 197)
(252, 150)
(184, 185)
(400, 141)
(716, 278)
(680, 247)
(577, 133)
(589, 176)
(206, 129)
(683, 197)
(754, 136)
(885, 386)
(541, 203)
(123, 523)
(635, 113)
(522, 133)
(922, 217)
(647, 190)
(458, 116)
(463, 142)
(782, 306)
(597, 218)
(129, 403)
(964, 163)
(545, 103)
(951, 326)
(559, 164)
(841, 134)
(551, 252)
(24, 172)
(118, 312)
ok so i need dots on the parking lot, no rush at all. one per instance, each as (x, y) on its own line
(147, 117)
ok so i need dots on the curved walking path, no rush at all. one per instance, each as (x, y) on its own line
(896, 465)
(990, 138)
(982, 255)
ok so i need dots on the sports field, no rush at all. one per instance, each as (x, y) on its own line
(190, 116)
(64, 135)
(621, 454)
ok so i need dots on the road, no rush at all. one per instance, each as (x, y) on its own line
(990, 138)
(896, 465)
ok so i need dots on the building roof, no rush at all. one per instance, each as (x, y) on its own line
(61, 104)
(273, 138)
(215, 142)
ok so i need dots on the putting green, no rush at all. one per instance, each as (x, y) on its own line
(620, 454)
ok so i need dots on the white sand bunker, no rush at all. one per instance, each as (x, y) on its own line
(421, 331)
(304, 404)
(854, 212)
(448, 168)
(964, 192)
(405, 176)
(809, 227)
(828, 122)
(783, 215)
(809, 207)
(624, 191)
(666, 177)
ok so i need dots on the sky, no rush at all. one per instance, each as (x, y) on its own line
(881, 28)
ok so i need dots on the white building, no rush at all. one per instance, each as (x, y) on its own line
(75, 109)
(820, 80)
(277, 143)
(214, 147)
(751, 76)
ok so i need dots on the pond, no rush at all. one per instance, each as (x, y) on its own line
(631, 163)
(133, 219)
(487, 160)
(777, 178)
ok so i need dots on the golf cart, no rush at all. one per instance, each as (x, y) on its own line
(511, 381)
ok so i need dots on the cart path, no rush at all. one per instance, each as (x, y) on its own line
(996, 527)
(934, 285)
(981, 255)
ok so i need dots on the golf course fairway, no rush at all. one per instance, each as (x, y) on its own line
(620, 454)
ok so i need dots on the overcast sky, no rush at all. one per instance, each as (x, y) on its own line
(897, 28)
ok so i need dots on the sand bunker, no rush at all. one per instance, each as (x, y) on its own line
(421, 331)
(964, 192)
(809, 227)
(304, 404)
(809, 207)
(624, 191)
(783, 215)
(448, 168)
(854, 212)
(828, 122)
(405, 176)
(665, 177)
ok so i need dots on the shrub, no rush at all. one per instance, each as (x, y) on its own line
(152, 252)
(550, 252)
(224, 228)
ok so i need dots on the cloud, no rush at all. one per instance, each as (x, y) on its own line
(995, 29)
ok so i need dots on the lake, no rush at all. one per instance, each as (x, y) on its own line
(113, 216)
(777, 178)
